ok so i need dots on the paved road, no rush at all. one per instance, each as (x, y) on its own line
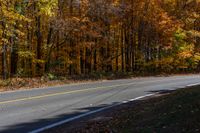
(24, 111)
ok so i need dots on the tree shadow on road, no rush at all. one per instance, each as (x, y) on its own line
(27, 127)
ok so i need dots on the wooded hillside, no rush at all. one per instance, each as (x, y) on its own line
(80, 37)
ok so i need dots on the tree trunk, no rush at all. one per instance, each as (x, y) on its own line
(39, 43)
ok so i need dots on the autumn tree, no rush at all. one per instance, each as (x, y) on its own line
(87, 37)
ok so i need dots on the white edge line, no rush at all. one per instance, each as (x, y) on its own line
(86, 114)
(193, 84)
(141, 97)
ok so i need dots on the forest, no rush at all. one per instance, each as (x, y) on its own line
(83, 37)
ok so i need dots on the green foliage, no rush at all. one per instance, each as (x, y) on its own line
(51, 76)
(5, 83)
(20, 72)
(26, 54)
(180, 35)
(48, 7)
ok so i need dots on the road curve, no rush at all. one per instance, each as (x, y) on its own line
(27, 110)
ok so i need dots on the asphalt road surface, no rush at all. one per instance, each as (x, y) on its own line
(27, 110)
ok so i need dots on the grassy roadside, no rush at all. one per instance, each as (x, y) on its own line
(178, 112)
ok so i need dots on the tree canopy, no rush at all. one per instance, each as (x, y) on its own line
(80, 37)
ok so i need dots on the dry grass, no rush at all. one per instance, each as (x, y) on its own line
(30, 83)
